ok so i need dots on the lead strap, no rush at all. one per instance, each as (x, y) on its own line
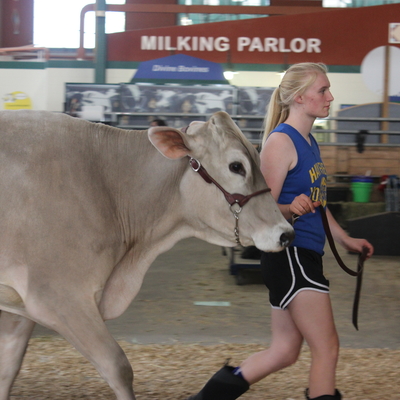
(360, 266)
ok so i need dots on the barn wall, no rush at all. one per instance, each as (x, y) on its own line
(379, 161)
(48, 92)
(45, 86)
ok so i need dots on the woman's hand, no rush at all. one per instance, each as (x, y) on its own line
(358, 245)
(349, 243)
(302, 204)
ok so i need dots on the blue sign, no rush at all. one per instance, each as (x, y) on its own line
(180, 67)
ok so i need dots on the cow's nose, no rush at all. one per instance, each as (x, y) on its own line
(286, 238)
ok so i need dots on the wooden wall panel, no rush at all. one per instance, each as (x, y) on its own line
(342, 161)
(329, 156)
(347, 160)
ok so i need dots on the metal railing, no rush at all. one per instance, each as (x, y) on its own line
(26, 53)
(252, 126)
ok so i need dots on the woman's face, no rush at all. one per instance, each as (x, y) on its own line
(317, 98)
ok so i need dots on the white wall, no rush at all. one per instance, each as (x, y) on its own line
(256, 78)
(346, 88)
(57, 78)
(31, 82)
(46, 87)
(119, 75)
(351, 89)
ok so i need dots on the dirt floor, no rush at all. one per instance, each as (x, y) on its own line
(54, 370)
(190, 316)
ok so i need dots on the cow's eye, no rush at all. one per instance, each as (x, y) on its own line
(237, 168)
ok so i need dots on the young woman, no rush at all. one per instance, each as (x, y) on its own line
(299, 292)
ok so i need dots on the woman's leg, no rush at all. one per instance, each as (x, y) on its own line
(284, 349)
(312, 313)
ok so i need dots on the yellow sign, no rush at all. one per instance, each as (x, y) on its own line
(17, 101)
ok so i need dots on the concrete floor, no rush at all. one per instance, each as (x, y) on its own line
(165, 310)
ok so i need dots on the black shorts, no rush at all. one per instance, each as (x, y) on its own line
(289, 272)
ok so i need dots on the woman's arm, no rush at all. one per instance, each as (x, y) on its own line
(278, 157)
(346, 241)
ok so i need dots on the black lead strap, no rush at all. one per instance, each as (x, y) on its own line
(360, 266)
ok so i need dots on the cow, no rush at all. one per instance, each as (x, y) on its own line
(85, 208)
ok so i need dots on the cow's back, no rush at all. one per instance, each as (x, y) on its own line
(46, 155)
(62, 178)
(54, 150)
(60, 181)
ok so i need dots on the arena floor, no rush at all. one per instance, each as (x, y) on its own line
(190, 316)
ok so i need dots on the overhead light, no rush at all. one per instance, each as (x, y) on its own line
(229, 74)
(186, 20)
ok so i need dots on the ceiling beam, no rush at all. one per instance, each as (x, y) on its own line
(200, 9)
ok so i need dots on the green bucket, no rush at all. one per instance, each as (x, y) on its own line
(361, 191)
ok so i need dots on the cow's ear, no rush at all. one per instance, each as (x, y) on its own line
(168, 141)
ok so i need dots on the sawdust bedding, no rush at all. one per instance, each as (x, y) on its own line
(52, 369)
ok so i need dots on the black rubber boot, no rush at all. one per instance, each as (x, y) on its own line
(336, 396)
(223, 385)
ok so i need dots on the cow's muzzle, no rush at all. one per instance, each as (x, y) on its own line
(286, 238)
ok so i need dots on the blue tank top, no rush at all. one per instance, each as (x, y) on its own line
(308, 177)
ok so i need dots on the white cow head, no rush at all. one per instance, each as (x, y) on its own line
(232, 161)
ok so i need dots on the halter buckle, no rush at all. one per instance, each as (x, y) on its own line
(195, 164)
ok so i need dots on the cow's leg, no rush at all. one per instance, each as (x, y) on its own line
(87, 332)
(15, 332)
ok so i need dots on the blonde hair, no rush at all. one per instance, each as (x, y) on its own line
(297, 79)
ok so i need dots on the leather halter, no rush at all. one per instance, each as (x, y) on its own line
(360, 265)
(235, 200)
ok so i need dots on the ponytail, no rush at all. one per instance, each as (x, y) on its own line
(277, 113)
